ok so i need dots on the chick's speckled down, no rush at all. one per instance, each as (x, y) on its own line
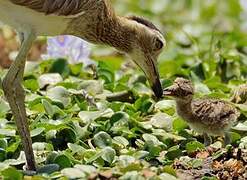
(215, 115)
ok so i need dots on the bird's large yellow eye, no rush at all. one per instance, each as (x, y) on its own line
(158, 44)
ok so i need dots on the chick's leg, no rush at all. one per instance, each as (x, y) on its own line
(207, 139)
(227, 138)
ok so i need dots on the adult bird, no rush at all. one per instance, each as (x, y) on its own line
(92, 20)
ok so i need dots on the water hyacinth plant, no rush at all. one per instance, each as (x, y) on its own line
(72, 48)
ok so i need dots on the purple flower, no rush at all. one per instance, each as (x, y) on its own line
(72, 48)
(243, 3)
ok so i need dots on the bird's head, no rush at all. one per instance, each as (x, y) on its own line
(182, 89)
(146, 45)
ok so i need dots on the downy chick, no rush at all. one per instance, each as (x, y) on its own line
(205, 116)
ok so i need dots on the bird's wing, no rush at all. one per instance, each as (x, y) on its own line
(214, 112)
(58, 7)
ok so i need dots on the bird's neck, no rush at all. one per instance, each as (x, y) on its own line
(103, 26)
(184, 109)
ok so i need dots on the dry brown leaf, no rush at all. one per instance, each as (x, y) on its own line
(106, 174)
(93, 176)
(234, 166)
(147, 173)
(202, 155)
(217, 166)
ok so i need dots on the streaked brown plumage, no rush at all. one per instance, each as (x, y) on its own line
(59, 7)
(92, 20)
(206, 116)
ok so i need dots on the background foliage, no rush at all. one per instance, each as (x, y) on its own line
(80, 130)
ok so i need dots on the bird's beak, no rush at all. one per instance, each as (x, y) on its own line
(170, 91)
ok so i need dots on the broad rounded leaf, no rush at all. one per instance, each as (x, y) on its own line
(102, 139)
(73, 173)
(162, 121)
(11, 173)
(151, 138)
(36, 132)
(59, 94)
(63, 161)
(93, 87)
(49, 79)
(194, 146)
(108, 154)
(88, 116)
(121, 140)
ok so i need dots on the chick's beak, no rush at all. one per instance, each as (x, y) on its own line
(170, 91)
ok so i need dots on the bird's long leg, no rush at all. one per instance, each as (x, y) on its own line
(207, 139)
(14, 92)
(227, 138)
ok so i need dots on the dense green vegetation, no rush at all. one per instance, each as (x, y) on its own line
(77, 123)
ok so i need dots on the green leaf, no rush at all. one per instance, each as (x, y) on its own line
(63, 161)
(36, 132)
(11, 173)
(108, 154)
(48, 169)
(87, 169)
(31, 84)
(241, 127)
(151, 138)
(73, 173)
(59, 94)
(91, 156)
(4, 107)
(125, 160)
(102, 139)
(93, 87)
(42, 146)
(49, 79)
(194, 146)
(51, 157)
(166, 105)
(162, 121)
(7, 132)
(3, 155)
(179, 125)
(106, 75)
(3, 143)
(174, 152)
(88, 116)
(76, 148)
(48, 107)
(121, 140)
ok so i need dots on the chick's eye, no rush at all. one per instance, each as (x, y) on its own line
(158, 44)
